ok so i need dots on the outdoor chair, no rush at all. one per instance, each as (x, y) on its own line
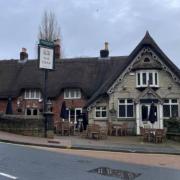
(111, 130)
(146, 135)
(93, 131)
(164, 138)
(159, 135)
(103, 133)
(65, 128)
(141, 132)
(59, 128)
(84, 134)
(124, 129)
(109, 125)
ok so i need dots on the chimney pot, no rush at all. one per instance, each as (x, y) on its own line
(23, 55)
(57, 47)
(106, 45)
(104, 53)
(24, 50)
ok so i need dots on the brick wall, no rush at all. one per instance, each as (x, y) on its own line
(75, 103)
(56, 105)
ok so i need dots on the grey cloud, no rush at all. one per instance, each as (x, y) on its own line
(85, 25)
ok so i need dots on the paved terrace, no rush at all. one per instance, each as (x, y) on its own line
(118, 144)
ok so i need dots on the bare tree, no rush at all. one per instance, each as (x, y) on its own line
(49, 28)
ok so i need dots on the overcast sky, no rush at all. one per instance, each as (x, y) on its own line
(87, 24)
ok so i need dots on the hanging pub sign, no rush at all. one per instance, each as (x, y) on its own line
(46, 54)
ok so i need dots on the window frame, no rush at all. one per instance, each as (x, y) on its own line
(126, 103)
(32, 111)
(29, 92)
(155, 78)
(69, 92)
(101, 110)
(170, 103)
(75, 113)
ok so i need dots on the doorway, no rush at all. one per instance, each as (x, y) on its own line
(144, 116)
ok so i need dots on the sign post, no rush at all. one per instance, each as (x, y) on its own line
(46, 63)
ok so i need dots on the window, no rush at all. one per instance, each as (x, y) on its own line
(145, 78)
(126, 108)
(170, 108)
(32, 94)
(31, 112)
(74, 114)
(101, 112)
(72, 94)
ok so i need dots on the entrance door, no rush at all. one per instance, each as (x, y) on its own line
(144, 116)
(78, 112)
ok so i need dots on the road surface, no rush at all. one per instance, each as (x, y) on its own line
(35, 163)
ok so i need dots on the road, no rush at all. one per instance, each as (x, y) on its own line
(35, 163)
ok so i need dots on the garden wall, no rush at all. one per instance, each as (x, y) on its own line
(21, 124)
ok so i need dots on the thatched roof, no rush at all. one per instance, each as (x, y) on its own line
(88, 74)
(94, 76)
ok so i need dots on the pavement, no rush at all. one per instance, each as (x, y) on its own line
(131, 144)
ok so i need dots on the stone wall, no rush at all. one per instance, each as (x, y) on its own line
(20, 124)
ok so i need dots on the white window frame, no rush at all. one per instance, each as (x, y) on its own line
(101, 110)
(147, 72)
(170, 103)
(75, 114)
(32, 109)
(28, 94)
(68, 94)
(125, 104)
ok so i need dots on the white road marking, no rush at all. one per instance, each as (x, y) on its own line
(8, 176)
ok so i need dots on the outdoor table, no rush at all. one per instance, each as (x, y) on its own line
(95, 134)
(151, 134)
(117, 127)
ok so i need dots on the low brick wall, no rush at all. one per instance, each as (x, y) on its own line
(20, 124)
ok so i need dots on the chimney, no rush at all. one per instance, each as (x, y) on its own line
(23, 55)
(57, 47)
(104, 53)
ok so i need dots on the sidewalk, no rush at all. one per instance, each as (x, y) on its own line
(116, 144)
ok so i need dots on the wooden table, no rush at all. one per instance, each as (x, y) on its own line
(151, 134)
(117, 127)
(95, 134)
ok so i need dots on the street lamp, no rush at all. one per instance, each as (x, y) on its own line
(49, 106)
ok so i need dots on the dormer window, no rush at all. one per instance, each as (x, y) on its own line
(32, 94)
(146, 78)
(72, 94)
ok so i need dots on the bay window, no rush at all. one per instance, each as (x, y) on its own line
(147, 78)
